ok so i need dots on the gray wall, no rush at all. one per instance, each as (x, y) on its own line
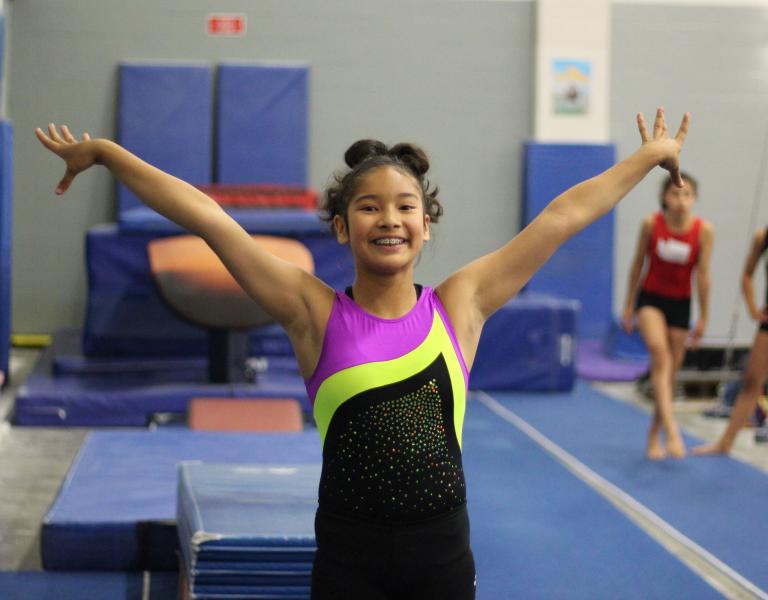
(452, 76)
(713, 62)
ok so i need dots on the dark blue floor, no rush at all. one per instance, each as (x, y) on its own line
(717, 502)
(539, 532)
(38, 585)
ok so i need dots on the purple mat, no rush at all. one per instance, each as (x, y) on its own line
(593, 363)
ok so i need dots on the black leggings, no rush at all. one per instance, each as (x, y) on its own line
(420, 561)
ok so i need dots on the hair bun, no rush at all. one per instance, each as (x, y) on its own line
(412, 156)
(363, 149)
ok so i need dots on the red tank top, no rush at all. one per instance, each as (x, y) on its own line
(672, 257)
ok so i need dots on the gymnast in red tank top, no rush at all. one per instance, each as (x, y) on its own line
(672, 257)
(674, 246)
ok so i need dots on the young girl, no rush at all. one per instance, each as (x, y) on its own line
(386, 362)
(757, 367)
(675, 242)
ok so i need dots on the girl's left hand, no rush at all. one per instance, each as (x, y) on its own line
(697, 332)
(668, 147)
(78, 155)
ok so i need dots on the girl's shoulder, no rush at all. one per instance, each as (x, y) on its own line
(706, 229)
(651, 222)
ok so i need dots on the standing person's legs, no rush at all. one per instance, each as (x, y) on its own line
(677, 338)
(751, 386)
(653, 328)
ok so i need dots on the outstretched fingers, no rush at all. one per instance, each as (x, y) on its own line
(44, 139)
(65, 182)
(642, 127)
(658, 123)
(53, 133)
(67, 135)
(683, 131)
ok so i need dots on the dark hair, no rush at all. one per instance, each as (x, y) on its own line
(364, 155)
(669, 182)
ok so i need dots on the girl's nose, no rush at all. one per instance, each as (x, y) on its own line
(388, 218)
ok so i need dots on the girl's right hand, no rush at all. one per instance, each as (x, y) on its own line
(78, 155)
(628, 320)
(667, 147)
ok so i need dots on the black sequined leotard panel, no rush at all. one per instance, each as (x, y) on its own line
(389, 404)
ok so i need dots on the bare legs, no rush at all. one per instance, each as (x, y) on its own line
(666, 347)
(752, 385)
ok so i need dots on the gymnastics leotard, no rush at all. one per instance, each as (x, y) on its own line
(389, 398)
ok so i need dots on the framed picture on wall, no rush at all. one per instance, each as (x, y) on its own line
(571, 81)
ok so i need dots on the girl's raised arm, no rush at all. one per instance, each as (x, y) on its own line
(476, 291)
(288, 293)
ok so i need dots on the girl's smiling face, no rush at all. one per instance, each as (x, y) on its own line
(385, 224)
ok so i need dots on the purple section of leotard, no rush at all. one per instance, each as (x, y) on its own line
(355, 337)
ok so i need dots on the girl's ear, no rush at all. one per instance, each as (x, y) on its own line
(426, 227)
(340, 227)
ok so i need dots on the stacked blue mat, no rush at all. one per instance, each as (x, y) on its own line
(247, 530)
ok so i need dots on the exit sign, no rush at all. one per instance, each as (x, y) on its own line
(226, 24)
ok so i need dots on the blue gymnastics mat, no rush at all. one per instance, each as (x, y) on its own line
(717, 502)
(247, 526)
(116, 508)
(583, 268)
(41, 585)
(267, 221)
(96, 399)
(125, 315)
(539, 532)
(68, 358)
(262, 123)
(165, 116)
(528, 344)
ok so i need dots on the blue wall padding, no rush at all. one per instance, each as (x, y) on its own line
(123, 483)
(165, 114)
(6, 199)
(126, 316)
(248, 526)
(266, 221)
(583, 267)
(528, 344)
(262, 123)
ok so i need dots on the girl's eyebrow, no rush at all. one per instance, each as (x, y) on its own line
(377, 197)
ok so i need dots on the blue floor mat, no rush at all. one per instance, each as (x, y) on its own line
(539, 532)
(42, 585)
(717, 502)
(116, 509)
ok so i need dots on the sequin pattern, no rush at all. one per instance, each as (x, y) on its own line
(393, 460)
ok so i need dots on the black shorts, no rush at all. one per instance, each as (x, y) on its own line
(676, 311)
(357, 560)
(764, 326)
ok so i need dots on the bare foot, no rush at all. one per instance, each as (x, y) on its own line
(710, 449)
(655, 451)
(675, 447)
